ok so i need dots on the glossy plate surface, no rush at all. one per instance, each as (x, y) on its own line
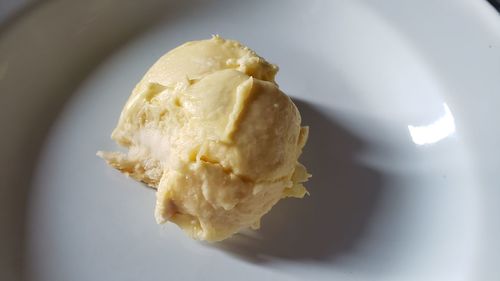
(402, 100)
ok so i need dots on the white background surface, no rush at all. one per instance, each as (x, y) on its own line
(363, 73)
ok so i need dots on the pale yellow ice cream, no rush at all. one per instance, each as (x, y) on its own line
(209, 128)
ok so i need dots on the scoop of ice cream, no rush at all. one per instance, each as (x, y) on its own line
(210, 129)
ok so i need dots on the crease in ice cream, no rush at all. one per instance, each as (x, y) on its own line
(208, 127)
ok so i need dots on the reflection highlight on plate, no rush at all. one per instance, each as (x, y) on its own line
(436, 131)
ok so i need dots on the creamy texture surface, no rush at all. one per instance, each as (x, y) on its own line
(210, 129)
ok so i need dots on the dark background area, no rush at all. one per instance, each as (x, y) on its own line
(495, 3)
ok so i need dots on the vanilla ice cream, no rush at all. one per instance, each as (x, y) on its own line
(208, 127)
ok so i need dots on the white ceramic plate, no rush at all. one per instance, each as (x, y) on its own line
(402, 99)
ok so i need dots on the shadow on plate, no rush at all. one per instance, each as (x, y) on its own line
(332, 220)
